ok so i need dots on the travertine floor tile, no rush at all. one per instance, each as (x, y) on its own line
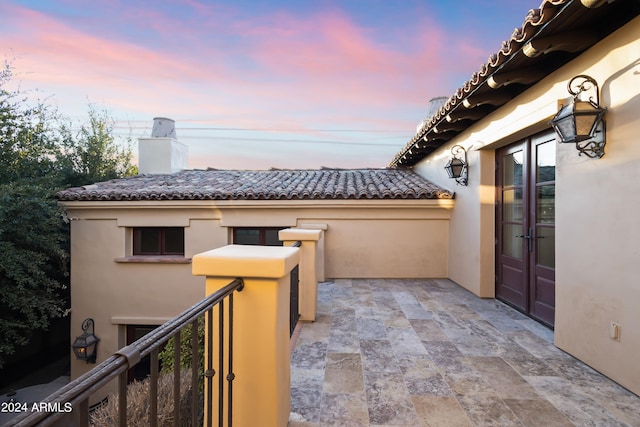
(343, 374)
(536, 413)
(440, 412)
(428, 353)
(344, 410)
(389, 400)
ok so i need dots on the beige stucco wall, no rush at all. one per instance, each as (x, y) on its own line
(597, 205)
(386, 248)
(598, 231)
(363, 239)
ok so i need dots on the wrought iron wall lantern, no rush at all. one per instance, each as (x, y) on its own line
(581, 122)
(457, 167)
(85, 346)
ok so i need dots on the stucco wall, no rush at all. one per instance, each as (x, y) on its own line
(597, 205)
(470, 247)
(105, 290)
(386, 248)
(363, 239)
(598, 232)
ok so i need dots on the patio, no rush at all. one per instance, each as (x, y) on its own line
(429, 353)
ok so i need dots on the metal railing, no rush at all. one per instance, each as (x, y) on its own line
(294, 309)
(78, 392)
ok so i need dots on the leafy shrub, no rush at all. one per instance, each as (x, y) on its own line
(165, 356)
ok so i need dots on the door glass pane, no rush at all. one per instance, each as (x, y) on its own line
(512, 169)
(545, 204)
(546, 161)
(546, 253)
(512, 205)
(511, 244)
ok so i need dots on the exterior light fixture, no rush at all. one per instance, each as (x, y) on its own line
(457, 166)
(581, 122)
(86, 345)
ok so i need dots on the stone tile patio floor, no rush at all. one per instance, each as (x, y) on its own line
(430, 353)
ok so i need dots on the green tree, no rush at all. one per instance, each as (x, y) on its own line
(39, 156)
(33, 263)
(33, 258)
(27, 144)
(91, 154)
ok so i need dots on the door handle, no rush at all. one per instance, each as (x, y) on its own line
(529, 237)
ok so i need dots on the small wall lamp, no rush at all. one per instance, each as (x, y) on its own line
(85, 346)
(581, 121)
(457, 167)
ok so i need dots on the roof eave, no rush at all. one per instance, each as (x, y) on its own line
(550, 37)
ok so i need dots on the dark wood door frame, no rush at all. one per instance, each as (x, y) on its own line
(525, 226)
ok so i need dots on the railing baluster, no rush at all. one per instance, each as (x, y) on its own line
(153, 390)
(221, 363)
(195, 361)
(84, 413)
(122, 398)
(231, 375)
(209, 372)
(176, 378)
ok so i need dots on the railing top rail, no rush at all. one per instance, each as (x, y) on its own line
(82, 387)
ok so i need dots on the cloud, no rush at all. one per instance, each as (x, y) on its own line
(302, 69)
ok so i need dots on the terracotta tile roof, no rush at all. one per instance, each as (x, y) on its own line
(263, 185)
(551, 36)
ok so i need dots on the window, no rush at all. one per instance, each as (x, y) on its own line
(264, 236)
(158, 241)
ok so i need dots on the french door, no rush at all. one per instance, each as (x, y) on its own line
(525, 226)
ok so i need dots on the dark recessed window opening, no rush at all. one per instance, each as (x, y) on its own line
(142, 370)
(264, 236)
(158, 241)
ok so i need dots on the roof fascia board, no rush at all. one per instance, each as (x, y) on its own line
(261, 204)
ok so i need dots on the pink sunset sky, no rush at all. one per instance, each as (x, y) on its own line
(257, 84)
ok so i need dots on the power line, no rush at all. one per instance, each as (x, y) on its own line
(297, 141)
(266, 129)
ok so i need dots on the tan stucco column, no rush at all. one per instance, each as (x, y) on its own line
(319, 248)
(308, 288)
(261, 388)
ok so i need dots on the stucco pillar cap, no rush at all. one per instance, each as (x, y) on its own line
(299, 234)
(271, 262)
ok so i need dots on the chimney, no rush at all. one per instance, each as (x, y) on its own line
(162, 153)
(434, 106)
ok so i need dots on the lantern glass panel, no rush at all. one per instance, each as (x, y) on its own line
(80, 352)
(564, 124)
(84, 346)
(566, 128)
(455, 167)
(586, 116)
